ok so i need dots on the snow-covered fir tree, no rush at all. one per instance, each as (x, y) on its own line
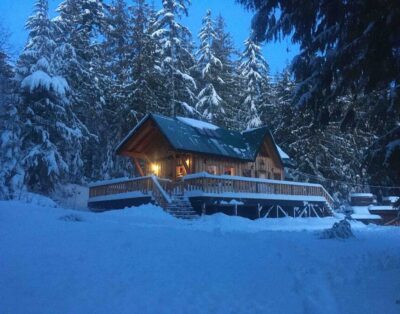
(281, 109)
(145, 90)
(331, 154)
(51, 133)
(116, 53)
(117, 75)
(176, 59)
(224, 50)
(254, 73)
(80, 27)
(210, 105)
(11, 172)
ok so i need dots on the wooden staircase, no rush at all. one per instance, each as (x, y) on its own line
(180, 207)
(176, 205)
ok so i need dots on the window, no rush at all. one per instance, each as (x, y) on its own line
(229, 171)
(261, 174)
(212, 169)
(180, 171)
(246, 172)
(277, 176)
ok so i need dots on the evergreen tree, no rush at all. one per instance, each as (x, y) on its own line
(282, 108)
(11, 172)
(81, 27)
(146, 88)
(210, 104)
(224, 50)
(175, 49)
(116, 49)
(254, 72)
(116, 73)
(347, 48)
(51, 133)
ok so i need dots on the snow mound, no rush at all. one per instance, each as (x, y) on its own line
(36, 199)
(141, 260)
(71, 217)
(71, 196)
(339, 230)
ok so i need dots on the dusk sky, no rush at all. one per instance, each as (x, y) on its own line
(13, 14)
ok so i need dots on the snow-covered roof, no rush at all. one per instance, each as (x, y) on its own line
(361, 195)
(391, 199)
(197, 123)
(362, 212)
(381, 207)
(282, 153)
(190, 135)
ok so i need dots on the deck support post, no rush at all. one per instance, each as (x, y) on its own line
(138, 167)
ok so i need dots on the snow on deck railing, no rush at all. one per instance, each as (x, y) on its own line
(161, 189)
(227, 183)
(248, 179)
(148, 185)
(111, 181)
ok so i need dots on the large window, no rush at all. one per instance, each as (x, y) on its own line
(246, 172)
(230, 171)
(211, 169)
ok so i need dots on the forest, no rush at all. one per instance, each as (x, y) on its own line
(87, 76)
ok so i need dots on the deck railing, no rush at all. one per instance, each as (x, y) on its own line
(215, 184)
(163, 189)
(149, 185)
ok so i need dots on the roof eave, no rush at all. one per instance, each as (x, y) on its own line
(119, 147)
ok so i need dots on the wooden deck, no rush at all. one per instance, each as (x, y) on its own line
(166, 192)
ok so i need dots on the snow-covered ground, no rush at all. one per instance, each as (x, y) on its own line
(141, 260)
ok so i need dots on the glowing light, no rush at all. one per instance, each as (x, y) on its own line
(156, 169)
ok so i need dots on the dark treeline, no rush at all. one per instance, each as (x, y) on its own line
(86, 77)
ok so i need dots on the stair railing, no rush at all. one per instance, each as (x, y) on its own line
(159, 194)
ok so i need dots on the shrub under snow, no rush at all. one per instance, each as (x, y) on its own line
(339, 230)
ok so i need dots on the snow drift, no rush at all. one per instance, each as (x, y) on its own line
(141, 260)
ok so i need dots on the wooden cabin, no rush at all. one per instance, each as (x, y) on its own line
(190, 167)
(175, 147)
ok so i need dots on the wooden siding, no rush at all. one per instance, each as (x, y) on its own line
(150, 149)
(263, 167)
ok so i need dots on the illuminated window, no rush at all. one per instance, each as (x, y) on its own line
(180, 171)
(230, 171)
(212, 169)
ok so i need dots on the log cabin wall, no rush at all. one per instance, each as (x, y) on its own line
(177, 165)
(263, 167)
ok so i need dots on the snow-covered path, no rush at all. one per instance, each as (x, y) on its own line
(144, 261)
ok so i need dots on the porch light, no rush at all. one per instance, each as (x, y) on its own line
(155, 168)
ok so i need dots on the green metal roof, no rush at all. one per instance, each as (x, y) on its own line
(196, 136)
